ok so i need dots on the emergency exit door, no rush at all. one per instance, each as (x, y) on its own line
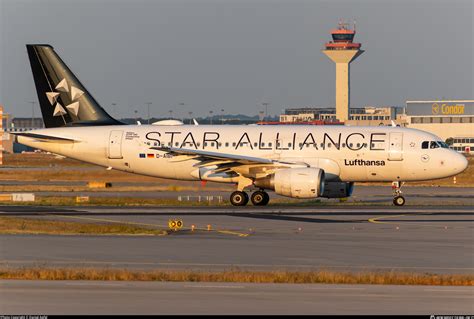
(395, 149)
(115, 144)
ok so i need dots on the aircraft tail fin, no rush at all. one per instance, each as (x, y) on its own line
(64, 101)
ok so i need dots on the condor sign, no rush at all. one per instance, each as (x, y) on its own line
(427, 108)
(447, 109)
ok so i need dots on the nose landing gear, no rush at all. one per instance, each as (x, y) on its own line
(398, 199)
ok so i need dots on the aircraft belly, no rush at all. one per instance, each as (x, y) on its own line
(89, 153)
(163, 167)
(353, 174)
(57, 148)
(391, 171)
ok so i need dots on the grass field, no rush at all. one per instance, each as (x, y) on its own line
(14, 225)
(312, 277)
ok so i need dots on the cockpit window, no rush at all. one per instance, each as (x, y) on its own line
(434, 144)
(443, 144)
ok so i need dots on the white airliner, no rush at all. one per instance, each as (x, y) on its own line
(299, 161)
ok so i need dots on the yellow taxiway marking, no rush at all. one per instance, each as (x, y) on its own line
(222, 231)
(376, 220)
(232, 233)
(152, 225)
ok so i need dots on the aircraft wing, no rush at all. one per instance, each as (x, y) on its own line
(221, 157)
(247, 166)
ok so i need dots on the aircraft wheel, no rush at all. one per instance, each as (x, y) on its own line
(260, 198)
(399, 201)
(239, 198)
(267, 198)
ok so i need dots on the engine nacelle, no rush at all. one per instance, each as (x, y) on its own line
(295, 182)
(338, 189)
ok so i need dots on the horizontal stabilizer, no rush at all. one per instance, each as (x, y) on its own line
(47, 138)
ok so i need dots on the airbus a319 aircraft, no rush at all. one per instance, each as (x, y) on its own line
(299, 161)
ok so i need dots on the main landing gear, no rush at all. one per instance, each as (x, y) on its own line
(258, 198)
(239, 198)
(398, 199)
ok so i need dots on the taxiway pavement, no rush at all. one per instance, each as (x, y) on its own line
(350, 238)
(89, 297)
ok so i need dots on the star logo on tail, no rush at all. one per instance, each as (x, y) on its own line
(75, 93)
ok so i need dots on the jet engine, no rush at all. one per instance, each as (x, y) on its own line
(338, 189)
(295, 182)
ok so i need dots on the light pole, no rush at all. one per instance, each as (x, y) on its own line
(190, 117)
(222, 116)
(266, 105)
(136, 116)
(210, 116)
(148, 103)
(182, 104)
(171, 114)
(32, 112)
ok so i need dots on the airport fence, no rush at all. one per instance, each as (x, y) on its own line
(200, 198)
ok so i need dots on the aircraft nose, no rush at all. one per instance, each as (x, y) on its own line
(459, 163)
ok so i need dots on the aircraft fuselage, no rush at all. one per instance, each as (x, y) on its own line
(345, 153)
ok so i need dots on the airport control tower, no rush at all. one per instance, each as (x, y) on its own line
(342, 51)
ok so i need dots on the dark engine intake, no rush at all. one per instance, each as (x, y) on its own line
(338, 189)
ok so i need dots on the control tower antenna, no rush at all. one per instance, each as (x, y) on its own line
(342, 51)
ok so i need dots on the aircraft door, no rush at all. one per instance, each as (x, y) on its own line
(115, 145)
(395, 149)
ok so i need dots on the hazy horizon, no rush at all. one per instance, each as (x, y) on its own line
(237, 54)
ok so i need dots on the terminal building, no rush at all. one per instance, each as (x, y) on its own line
(363, 116)
(17, 124)
(450, 120)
